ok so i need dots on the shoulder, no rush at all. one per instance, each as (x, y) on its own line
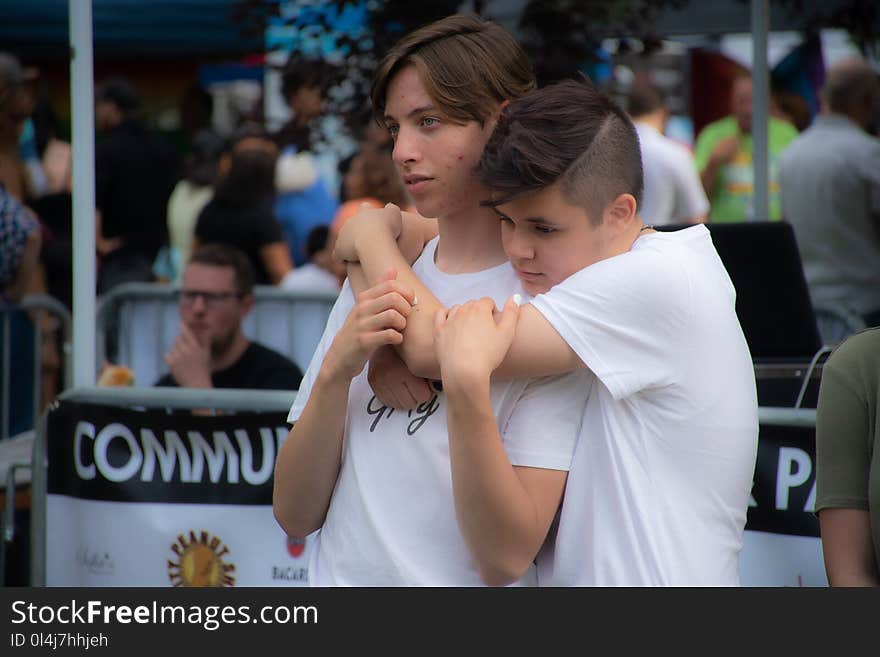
(861, 350)
(783, 129)
(717, 129)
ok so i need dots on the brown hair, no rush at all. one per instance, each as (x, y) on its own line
(224, 255)
(568, 134)
(468, 66)
(645, 98)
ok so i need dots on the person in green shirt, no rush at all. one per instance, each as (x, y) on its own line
(723, 155)
(848, 461)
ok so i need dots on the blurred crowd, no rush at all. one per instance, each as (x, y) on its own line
(264, 192)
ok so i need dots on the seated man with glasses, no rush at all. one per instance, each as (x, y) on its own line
(211, 351)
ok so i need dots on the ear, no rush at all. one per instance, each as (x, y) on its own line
(492, 120)
(621, 212)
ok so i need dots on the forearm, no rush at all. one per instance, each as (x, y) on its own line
(499, 520)
(848, 548)
(709, 176)
(309, 460)
(376, 256)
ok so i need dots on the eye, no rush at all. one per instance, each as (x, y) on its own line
(545, 230)
(429, 122)
(393, 130)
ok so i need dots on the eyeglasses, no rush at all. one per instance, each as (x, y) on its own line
(188, 297)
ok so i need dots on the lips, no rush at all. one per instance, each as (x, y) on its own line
(416, 183)
(531, 276)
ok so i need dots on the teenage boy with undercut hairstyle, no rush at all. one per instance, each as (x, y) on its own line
(659, 485)
(405, 498)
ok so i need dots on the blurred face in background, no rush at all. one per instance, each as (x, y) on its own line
(211, 305)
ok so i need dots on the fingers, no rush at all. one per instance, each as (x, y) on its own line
(439, 321)
(509, 315)
(391, 301)
(386, 287)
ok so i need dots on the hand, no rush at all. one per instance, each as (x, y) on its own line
(377, 319)
(190, 360)
(365, 223)
(472, 341)
(107, 245)
(725, 150)
(394, 384)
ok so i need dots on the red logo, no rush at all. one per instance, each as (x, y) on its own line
(295, 546)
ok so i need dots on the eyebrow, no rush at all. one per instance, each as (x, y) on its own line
(417, 110)
(540, 221)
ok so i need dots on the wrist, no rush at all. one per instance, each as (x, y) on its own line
(465, 379)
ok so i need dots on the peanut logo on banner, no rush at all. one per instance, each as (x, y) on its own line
(200, 562)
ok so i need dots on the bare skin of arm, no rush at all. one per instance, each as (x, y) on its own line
(721, 155)
(309, 460)
(848, 548)
(504, 512)
(537, 349)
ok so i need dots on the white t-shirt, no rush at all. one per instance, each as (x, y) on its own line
(310, 278)
(673, 192)
(659, 485)
(391, 520)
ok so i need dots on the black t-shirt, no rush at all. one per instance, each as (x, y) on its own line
(249, 229)
(258, 368)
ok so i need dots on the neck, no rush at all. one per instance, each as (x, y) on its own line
(469, 242)
(230, 355)
(654, 120)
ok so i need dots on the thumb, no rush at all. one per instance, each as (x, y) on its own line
(509, 316)
(439, 320)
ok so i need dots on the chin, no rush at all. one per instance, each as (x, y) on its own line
(534, 290)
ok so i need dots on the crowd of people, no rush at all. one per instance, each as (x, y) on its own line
(601, 429)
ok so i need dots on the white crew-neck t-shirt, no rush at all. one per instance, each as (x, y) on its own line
(391, 520)
(659, 486)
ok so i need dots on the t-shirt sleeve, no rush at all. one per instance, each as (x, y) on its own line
(625, 318)
(842, 443)
(543, 428)
(344, 304)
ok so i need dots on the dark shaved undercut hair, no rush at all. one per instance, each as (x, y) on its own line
(568, 134)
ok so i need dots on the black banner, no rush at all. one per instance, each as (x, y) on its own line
(115, 454)
(784, 491)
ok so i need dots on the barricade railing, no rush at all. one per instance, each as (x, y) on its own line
(181, 399)
(32, 303)
(142, 320)
(225, 401)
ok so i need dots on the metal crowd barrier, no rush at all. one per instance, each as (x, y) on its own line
(225, 400)
(157, 398)
(31, 302)
(143, 318)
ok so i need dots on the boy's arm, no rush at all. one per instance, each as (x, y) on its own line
(504, 512)
(309, 460)
(537, 349)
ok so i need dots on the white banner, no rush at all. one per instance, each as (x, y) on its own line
(96, 543)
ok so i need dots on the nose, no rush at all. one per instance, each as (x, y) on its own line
(517, 244)
(199, 304)
(406, 149)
